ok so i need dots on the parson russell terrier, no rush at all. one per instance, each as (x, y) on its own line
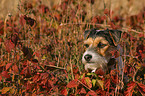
(99, 45)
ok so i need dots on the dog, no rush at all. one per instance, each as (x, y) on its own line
(99, 44)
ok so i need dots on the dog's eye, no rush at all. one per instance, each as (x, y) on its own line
(101, 45)
(86, 45)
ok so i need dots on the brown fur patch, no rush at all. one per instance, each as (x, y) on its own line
(89, 41)
(93, 43)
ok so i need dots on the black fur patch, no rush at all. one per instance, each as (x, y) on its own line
(109, 35)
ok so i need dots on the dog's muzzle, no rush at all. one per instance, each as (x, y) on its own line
(93, 61)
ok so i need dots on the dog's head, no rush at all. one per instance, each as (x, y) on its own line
(99, 44)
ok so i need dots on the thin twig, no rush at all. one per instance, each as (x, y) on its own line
(71, 69)
(55, 67)
(125, 29)
(85, 85)
(64, 24)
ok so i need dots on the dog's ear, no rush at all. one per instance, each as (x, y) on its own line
(86, 34)
(115, 36)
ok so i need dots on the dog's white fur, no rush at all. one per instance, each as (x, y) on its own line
(96, 62)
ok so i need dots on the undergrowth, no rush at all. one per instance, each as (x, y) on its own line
(41, 51)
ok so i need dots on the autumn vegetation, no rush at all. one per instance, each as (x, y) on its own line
(41, 51)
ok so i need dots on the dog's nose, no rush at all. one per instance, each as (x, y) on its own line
(88, 57)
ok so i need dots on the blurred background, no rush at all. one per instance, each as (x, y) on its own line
(128, 7)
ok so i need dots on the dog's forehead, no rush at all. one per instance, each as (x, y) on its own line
(95, 40)
(94, 33)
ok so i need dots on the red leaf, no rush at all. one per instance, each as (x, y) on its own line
(44, 81)
(49, 84)
(116, 18)
(9, 45)
(8, 65)
(14, 38)
(37, 54)
(0, 78)
(15, 68)
(44, 75)
(43, 9)
(1, 32)
(141, 87)
(64, 6)
(5, 74)
(114, 79)
(23, 71)
(106, 11)
(143, 64)
(83, 91)
(141, 35)
(100, 72)
(57, 16)
(52, 63)
(92, 93)
(22, 21)
(117, 53)
(9, 29)
(100, 92)
(0, 40)
(77, 76)
(64, 92)
(36, 78)
(114, 26)
(29, 86)
(1, 27)
(107, 84)
(72, 83)
(52, 83)
(94, 19)
(143, 55)
(75, 70)
(130, 88)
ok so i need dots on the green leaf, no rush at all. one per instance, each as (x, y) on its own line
(139, 66)
(94, 82)
(89, 74)
(100, 83)
(44, 57)
(94, 74)
(55, 24)
(83, 75)
(88, 82)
